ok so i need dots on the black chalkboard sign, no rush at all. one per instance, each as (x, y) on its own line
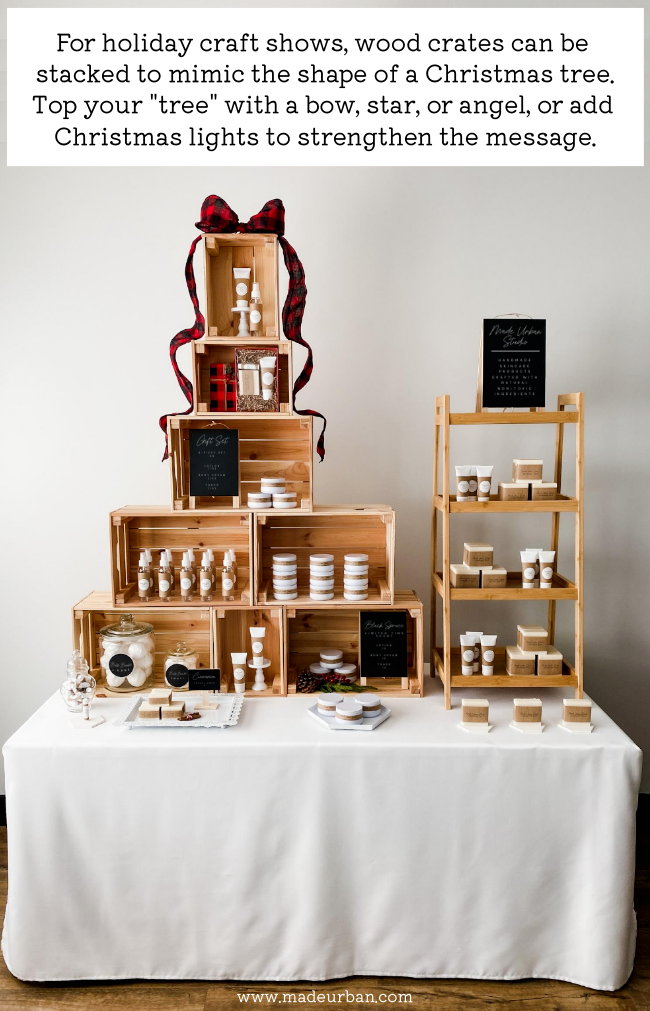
(383, 647)
(205, 680)
(121, 665)
(514, 363)
(214, 461)
(177, 675)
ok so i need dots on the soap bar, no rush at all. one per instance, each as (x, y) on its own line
(475, 710)
(532, 638)
(543, 491)
(527, 470)
(576, 710)
(160, 696)
(147, 712)
(172, 711)
(465, 578)
(494, 578)
(550, 663)
(510, 491)
(518, 663)
(478, 554)
(527, 710)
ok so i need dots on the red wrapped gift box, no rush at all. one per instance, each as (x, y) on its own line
(223, 388)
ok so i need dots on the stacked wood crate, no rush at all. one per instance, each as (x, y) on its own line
(276, 443)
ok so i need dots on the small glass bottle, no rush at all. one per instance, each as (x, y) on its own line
(186, 578)
(256, 310)
(213, 568)
(227, 582)
(164, 578)
(144, 577)
(205, 578)
(170, 562)
(149, 557)
(233, 563)
(190, 555)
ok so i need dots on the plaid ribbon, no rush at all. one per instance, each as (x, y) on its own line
(217, 216)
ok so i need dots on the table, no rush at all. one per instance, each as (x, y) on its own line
(279, 850)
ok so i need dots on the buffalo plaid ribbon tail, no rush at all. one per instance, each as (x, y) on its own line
(292, 314)
(184, 337)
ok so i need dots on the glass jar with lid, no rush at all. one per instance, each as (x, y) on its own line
(178, 663)
(127, 654)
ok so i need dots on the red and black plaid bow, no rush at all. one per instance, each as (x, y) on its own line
(216, 216)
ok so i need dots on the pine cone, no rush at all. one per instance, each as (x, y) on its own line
(308, 682)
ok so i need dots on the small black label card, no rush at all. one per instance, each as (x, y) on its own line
(514, 363)
(177, 675)
(214, 461)
(121, 665)
(383, 646)
(205, 680)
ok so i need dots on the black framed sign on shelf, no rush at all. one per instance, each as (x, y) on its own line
(513, 365)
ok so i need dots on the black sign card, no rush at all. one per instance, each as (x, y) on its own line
(121, 665)
(214, 461)
(383, 648)
(205, 680)
(514, 363)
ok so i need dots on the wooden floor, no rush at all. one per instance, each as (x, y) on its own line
(441, 995)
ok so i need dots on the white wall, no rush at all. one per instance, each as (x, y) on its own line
(401, 267)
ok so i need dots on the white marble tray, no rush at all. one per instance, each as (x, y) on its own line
(366, 724)
(226, 715)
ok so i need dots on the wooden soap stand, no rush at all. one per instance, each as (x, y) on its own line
(445, 660)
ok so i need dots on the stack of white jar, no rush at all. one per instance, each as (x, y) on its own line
(285, 577)
(273, 494)
(355, 577)
(321, 577)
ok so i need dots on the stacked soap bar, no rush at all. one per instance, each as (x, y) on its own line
(527, 483)
(159, 706)
(478, 569)
(532, 655)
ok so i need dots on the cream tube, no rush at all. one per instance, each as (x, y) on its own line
(467, 654)
(242, 277)
(528, 559)
(464, 474)
(546, 569)
(484, 482)
(477, 651)
(488, 642)
(238, 666)
(268, 366)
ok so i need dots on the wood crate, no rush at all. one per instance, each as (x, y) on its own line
(134, 528)
(310, 629)
(230, 635)
(270, 445)
(171, 625)
(336, 530)
(501, 679)
(222, 253)
(212, 351)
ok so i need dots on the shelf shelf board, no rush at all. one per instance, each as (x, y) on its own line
(500, 679)
(562, 504)
(512, 418)
(562, 589)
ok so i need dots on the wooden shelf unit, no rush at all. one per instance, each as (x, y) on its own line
(221, 351)
(444, 660)
(222, 253)
(231, 635)
(312, 627)
(337, 530)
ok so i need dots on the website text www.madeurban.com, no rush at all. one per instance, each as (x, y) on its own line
(334, 997)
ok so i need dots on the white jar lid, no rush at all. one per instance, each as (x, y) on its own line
(368, 701)
(331, 654)
(328, 701)
(258, 498)
(285, 584)
(284, 559)
(349, 707)
(346, 669)
(321, 559)
(290, 595)
(355, 559)
(318, 668)
(324, 595)
(355, 594)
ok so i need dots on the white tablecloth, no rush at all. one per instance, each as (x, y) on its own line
(279, 850)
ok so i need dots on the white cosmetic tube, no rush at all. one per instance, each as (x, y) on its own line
(238, 666)
(546, 569)
(488, 642)
(484, 481)
(467, 654)
(477, 650)
(268, 367)
(528, 559)
(464, 475)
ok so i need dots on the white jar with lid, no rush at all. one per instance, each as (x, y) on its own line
(327, 704)
(259, 500)
(371, 704)
(178, 663)
(285, 500)
(320, 594)
(127, 654)
(321, 560)
(284, 594)
(355, 594)
(347, 670)
(331, 658)
(355, 584)
(355, 561)
(287, 560)
(273, 485)
(348, 711)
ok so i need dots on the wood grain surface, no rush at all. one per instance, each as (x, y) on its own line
(425, 994)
